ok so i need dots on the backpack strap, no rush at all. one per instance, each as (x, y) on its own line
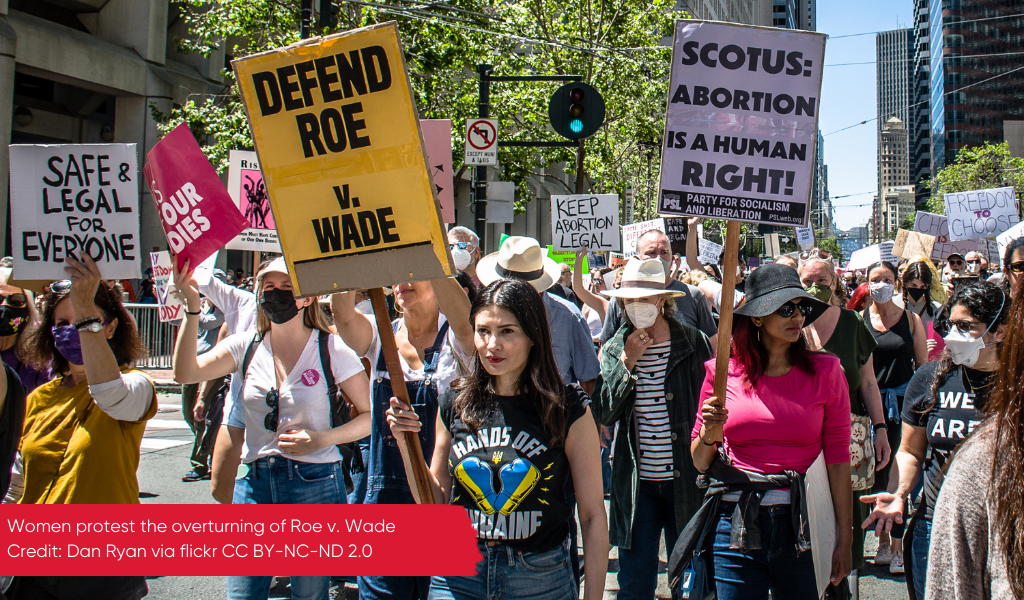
(325, 366)
(249, 352)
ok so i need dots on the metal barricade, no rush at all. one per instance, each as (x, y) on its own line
(157, 337)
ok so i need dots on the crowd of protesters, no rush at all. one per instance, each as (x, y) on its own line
(878, 375)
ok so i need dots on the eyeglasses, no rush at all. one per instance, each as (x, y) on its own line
(815, 253)
(15, 300)
(976, 261)
(459, 245)
(944, 326)
(956, 262)
(270, 421)
(1017, 267)
(786, 310)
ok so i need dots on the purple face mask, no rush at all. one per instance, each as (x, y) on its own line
(68, 343)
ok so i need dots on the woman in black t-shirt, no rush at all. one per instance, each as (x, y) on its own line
(945, 401)
(508, 437)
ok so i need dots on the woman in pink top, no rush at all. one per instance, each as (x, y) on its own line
(784, 406)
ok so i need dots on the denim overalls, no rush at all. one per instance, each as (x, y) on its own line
(385, 474)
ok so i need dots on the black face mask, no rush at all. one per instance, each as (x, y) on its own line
(916, 293)
(12, 319)
(279, 306)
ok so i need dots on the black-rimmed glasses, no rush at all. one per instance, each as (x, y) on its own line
(270, 421)
(786, 310)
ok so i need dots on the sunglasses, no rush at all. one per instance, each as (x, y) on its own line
(815, 253)
(974, 262)
(956, 262)
(944, 326)
(15, 300)
(1017, 267)
(61, 286)
(270, 421)
(459, 245)
(786, 310)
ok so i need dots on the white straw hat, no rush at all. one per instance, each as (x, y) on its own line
(642, 279)
(519, 258)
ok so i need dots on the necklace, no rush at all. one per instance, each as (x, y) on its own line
(990, 378)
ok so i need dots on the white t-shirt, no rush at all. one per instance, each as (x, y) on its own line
(303, 402)
(447, 366)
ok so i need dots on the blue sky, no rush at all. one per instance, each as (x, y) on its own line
(848, 97)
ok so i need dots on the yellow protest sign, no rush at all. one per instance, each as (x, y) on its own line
(338, 138)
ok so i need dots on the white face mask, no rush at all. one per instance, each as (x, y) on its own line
(462, 258)
(881, 292)
(964, 348)
(641, 314)
(667, 265)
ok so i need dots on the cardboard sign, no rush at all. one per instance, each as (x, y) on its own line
(805, 237)
(981, 213)
(437, 137)
(937, 226)
(1004, 239)
(585, 221)
(73, 199)
(197, 214)
(632, 232)
(710, 252)
(249, 193)
(171, 309)
(918, 244)
(676, 228)
(343, 158)
(742, 122)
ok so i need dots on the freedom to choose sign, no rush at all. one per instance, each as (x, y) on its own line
(742, 123)
(344, 163)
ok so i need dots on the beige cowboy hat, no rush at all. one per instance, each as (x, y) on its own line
(519, 258)
(642, 279)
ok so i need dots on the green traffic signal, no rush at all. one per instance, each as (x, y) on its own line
(576, 111)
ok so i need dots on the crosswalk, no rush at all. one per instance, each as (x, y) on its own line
(167, 429)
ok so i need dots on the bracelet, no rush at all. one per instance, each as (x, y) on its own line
(877, 426)
(194, 314)
(87, 321)
(699, 436)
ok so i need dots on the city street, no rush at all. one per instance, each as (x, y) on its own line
(165, 452)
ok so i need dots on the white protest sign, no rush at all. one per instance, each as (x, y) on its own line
(709, 252)
(938, 226)
(501, 202)
(171, 308)
(805, 237)
(585, 220)
(204, 272)
(632, 232)
(609, 280)
(742, 122)
(865, 257)
(74, 199)
(246, 188)
(981, 213)
(1004, 239)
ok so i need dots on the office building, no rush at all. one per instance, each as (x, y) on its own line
(919, 127)
(748, 12)
(821, 204)
(897, 204)
(893, 171)
(894, 68)
(975, 76)
(795, 14)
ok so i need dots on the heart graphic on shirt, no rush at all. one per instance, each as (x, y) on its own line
(518, 478)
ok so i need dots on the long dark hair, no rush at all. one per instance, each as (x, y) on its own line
(1006, 409)
(986, 302)
(125, 343)
(752, 356)
(539, 381)
(917, 270)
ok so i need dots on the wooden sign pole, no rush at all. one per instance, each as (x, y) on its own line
(409, 444)
(729, 263)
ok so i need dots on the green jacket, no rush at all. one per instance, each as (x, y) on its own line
(613, 402)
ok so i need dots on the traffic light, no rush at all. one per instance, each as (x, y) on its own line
(328, 15)
(576, 111)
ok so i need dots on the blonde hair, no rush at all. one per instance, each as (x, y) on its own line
(313, 315)
(694, 277)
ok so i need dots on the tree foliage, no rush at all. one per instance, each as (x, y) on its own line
(615, 45)
(978, 168)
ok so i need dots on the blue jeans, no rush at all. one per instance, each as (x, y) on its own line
(606, 468)
(777, 566)
(509, 574)
(638, 564)
(919, 554)
(279, 480)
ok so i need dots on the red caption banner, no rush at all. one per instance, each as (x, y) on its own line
(304, 539)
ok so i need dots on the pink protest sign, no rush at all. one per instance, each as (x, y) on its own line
(437, 137)
(196, 211)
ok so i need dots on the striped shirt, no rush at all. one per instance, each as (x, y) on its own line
(652, 414)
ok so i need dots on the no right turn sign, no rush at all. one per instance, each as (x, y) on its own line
(481, 142)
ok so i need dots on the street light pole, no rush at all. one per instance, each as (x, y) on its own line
(481, 171)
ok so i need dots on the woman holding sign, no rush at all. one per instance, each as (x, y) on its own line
(83, 430)
(286, 366)
(784, 407)
(435, 342)
(513, 482)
